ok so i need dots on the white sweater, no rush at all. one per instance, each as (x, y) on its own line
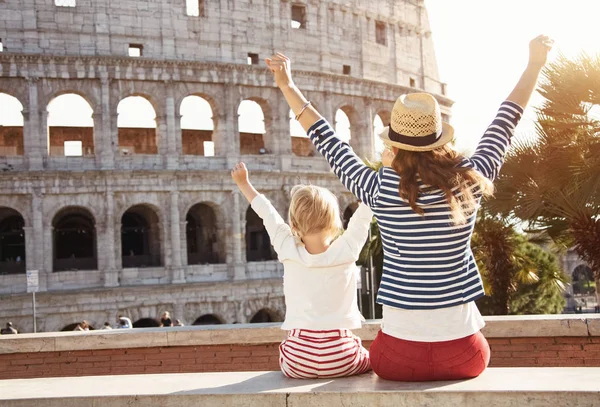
(320, 289)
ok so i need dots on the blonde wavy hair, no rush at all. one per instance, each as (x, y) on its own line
(314, 210)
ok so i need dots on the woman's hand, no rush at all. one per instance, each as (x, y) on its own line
(539, 48)
(281, 67)
(240, 174)
(387, 157)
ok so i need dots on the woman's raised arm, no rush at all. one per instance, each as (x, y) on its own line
(361, 180)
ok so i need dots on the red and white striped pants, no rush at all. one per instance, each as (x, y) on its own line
(308, 354)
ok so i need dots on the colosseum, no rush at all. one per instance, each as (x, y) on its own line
(131, 210)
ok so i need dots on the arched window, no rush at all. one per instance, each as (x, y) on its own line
(265, 315)
(208, 319)
(74, 240)
(137, 126)
(12, 242)
(342, 126)
(70, 126)
(378, 127)
(258, 244)
(11, 126)
(202, 236)
(583, 279)
(251, 121)
(140, 238)
(197, 127)
(301, 144)
(146, 323)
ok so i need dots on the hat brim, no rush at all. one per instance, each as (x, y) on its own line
(447, 136)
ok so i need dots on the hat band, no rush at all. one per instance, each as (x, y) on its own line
(420, 141)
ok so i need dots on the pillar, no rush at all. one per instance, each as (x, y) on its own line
(226, 135)
(111, 275)
(32, 142)
(106, 136)
(238, 237)
(173, 139)
(178, 275)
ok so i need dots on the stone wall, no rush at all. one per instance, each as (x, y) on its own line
(162, 172)
(527, 341)
(337, 33)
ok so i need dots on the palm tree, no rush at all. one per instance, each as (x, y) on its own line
(553, 183)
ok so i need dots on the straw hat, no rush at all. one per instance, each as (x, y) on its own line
(416, 124)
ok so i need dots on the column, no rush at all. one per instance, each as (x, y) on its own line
(178, 274)
(31, 129)
(173, 141)
(108, 137)
(161, 137)
(111, 275)
(226, 135)
(35, 260)
(183, 242)
(238, 237)
(43, 136)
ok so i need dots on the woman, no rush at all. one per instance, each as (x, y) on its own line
(425, 206)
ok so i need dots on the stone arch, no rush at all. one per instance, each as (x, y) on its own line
(17, 88)
(137, 132)
(582, 277)
(11, 125)
(74, 240)
(252, 133)
(380, 120)
(197, 126)
(70, 125)
(258, 244)
(141, 244)
(146, 322)
(204, 240)
(57, 89)
(12, 242)
(264, 315)
(208, 319)
(343, 123)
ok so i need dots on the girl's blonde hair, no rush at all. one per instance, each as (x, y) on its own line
(314, 210)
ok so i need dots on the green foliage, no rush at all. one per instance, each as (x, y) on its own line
(553, 184)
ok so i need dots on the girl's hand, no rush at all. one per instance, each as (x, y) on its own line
(539, 48)
(387, 157)
(281, 67)
(240, 174)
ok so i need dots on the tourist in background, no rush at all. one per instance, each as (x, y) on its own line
(123, 323)
(8, 329)
(165, 320)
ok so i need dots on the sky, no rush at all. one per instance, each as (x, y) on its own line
(482, 49)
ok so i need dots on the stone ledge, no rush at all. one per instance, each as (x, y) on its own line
(504, 387)
(496, 327)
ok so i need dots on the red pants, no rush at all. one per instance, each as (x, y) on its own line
(409, 361)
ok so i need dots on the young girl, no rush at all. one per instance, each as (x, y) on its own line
(319, 281)
(425, 206)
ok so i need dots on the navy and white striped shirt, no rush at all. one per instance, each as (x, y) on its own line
(428, 262)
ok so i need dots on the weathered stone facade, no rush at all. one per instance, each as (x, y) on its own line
(49, 51)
